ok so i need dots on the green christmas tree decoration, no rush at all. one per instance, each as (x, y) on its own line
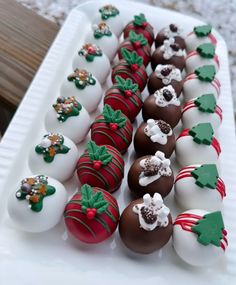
(206, 73)
(137, 39)
(209, 229)
(140, 20)
(206, 50)
(206, 103)
(206, 175)
(114, 117)
(98, 154)
(202, 31)
(132, 58)
(202, 133)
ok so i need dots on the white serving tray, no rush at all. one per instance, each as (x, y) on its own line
(55, 258)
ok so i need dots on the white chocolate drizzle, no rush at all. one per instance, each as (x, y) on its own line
(169, 51)
(175, 73)
(161, 100)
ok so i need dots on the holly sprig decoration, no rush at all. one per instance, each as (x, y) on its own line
(206, 50)
(140, 20)
(108, 11)
(210, 229)
(35, 189)
(202, 31)
(93, 203)
(137, 40)
(102, 30)
(98, 155)
(81, 78)
(115, 119)
(206, 103)
(90, 51)
(206, 175)
(202, 133)
(132, 58)
(206, 73)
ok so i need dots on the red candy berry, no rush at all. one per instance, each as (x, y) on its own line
(97, 164)
(128, 93)
(90, 213)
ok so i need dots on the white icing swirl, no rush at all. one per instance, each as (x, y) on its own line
(175, 73)
(168, 51)
(160, 99)
(152, 212)
(155, 133)
(168, 33)
(156, 163)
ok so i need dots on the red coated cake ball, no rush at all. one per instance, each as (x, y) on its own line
(101, 166)
(169, 53)
(137, 42)
(125, 96)
(172, 31)
(131, 66)
(91, 215)
(163, 105)
(146, 224)
(112, 128)
(150, 174)
(152, 136)
(165, 75)
(140, 26)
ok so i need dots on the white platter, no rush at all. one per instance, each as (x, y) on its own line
(55, 258)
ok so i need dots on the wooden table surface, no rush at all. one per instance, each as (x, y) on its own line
(24, 40)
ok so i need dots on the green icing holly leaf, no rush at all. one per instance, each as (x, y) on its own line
(139, 20)
(209, 229)
(206, 73)
(206, 103)
(108, 11)
(202, 133)
(206, 175)
(126, 84)
(131, 58)
(202, 31)
(112, 116)
(206, 50)
(137, 38)
(98, 153)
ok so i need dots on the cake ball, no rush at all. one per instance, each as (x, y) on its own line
(112, 128)
(90, 57)
(164, 75)
(152, 136)
(197, 145)
(136, 42)
(84, 87)
(199, 186)
(200, 35)
(56, 156)
(146, 224)
(172, 31)
(101, 166)
(91, 215)
(199, 237)
(202, 81)
(150, 174)
(169, 53)
(203, 55)
(131, 66)
(140, 26)
(203, 109)
(38, 204)
(163, 105)
(69, 117)
(125, 96)
(103, 37)
(112, 17)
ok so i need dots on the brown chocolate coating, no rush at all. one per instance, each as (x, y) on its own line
(162, 185)
(136, 238)
(155, 83)
(157, 58)
(170, 114)
(161, 37)
(143, 144)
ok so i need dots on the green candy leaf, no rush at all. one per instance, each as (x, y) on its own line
(202, 133)
(139, 19)
(131, 57)
(202, 31)
(206, 73)
(206, 50)
(108, 11)
(112, 116)
(98, 153)
(137, 38)
(206, 103)
(206, 175)
(209, 229)
(126, 84)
